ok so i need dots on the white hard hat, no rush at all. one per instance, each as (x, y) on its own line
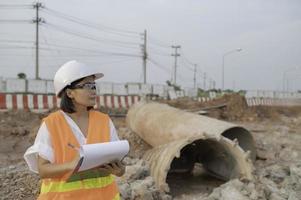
(70, 72)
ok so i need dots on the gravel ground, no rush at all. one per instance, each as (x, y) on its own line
(277, 133)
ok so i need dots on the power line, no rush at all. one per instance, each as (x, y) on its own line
(89, 24)
(56, 50)
(159, 65)
(92, 26)
(94, 51)
(13, 6)
(63, 41)
(15, 55)
(88, 62)
(23, 47)
(187, 66)
(159, 43)
(164, 68)
(16, 41)
(15, 21)
(108, 62)
(161, 53)
(186, 59)
(85, 36)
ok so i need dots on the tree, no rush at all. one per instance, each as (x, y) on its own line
(21, 75)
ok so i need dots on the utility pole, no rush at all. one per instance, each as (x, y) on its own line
(144, 57)
(176, 54)
(204, 81)
(194, 77)
(37, 20)
(210, 84)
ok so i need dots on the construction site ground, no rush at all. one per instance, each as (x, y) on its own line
(276, 131)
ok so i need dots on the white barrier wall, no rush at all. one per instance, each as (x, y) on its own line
(272, 94)
(133, 88)
(146, 89)
(2, 85)
(172, 94)
(159, 90)
(49, 87)
(104, 88)
(119, 89)
(37, 86)
(15, 85)
(180, 93)
(191, 92)
(212, 95)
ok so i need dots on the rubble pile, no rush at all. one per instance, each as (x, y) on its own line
(137, 183)
(275, 182)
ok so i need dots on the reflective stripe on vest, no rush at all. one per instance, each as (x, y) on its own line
(86, 185)
(62, 186)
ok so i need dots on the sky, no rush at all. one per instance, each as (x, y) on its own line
(108, 34)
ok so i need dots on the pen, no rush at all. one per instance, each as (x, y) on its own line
(72, 146)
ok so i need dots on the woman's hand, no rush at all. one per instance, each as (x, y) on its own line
(49, 170)
(116, 168)
(74, 162)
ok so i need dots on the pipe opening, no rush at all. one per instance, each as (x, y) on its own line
(203, 164)
(244, 138)
(212, 155)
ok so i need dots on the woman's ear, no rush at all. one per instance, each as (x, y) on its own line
(69, 93)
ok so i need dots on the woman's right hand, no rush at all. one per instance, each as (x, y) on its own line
(51, 170)
(103, 171)
(74, 162)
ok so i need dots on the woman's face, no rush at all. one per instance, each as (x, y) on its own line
(84, 92)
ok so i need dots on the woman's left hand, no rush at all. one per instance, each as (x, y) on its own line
(116, 168)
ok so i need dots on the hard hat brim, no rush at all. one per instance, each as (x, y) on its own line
(98, 75)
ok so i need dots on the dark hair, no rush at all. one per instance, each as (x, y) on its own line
(66, 102)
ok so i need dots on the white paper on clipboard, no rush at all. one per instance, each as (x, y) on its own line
(102, 153)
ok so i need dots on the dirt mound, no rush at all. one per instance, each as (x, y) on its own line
(184, 103)
(236, 109)
(233, 107)
(228, 107)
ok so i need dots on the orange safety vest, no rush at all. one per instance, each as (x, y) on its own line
(86, 187)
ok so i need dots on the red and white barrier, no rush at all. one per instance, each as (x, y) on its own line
(261, 101)
(46, 102)
(204, 99)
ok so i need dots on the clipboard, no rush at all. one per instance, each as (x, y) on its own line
(94, 155)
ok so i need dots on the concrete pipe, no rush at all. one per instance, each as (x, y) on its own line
(181, 139)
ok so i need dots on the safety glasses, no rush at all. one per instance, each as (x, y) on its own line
(87, 86)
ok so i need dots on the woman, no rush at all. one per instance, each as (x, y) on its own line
(54, 154)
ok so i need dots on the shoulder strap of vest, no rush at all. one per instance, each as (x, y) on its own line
(99, 127)
(61, 135)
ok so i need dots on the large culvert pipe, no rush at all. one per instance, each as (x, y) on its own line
(180, 139)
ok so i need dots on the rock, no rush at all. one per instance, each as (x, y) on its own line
(140, 191)
(138, 171)
(11, 167)
(125, 190)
